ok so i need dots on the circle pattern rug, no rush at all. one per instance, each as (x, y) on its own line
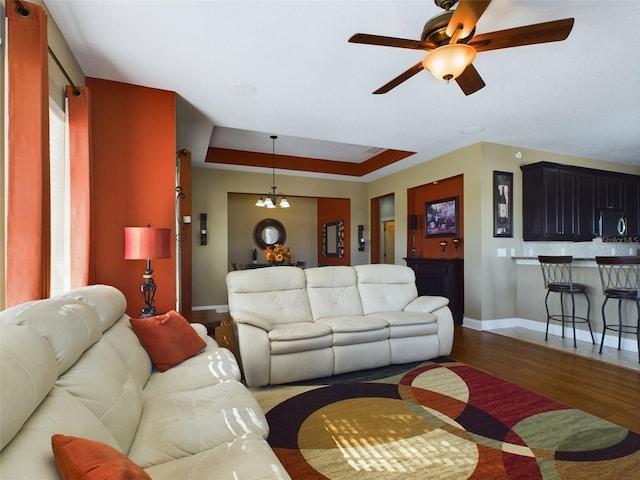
(440, 420)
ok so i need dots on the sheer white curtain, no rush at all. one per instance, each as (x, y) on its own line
(60, 201)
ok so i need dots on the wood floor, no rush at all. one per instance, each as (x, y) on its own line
(599, 388)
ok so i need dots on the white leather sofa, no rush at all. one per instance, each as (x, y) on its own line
(293, 324)
(72, 365)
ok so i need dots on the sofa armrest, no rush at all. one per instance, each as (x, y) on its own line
(250, 318)
(427, 303)
(201, 330)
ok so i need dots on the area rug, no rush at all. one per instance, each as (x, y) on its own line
(438, 420)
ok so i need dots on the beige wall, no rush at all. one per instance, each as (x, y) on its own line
(210, 189)
(490, 281)
(299, 223)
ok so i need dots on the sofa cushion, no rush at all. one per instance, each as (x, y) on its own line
(108, 302)
(298, 331)
(28, 370)
(29, 455)
(385, 288)
(246, 457)
(81, 459)
(277, 293)
(354, 323)
(168, 338)
(124, 340)
(209, 367)
(186, 423)
(104, 383)
(333, 291)
(69, 325)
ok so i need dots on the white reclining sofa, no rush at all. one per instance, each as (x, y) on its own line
(72, 366)
(293, 324)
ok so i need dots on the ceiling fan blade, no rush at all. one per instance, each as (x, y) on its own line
(470, 81)
(400, 78)
(388, 41)
(554, 31)
(467, 14)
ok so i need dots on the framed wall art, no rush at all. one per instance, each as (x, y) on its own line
(441, 218)
(502, 204)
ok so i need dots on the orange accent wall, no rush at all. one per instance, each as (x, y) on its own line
(374, 221)
(416, 199)
(333, 210)
(134, 154)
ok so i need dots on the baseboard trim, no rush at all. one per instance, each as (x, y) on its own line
(611, 339)
(217, 308)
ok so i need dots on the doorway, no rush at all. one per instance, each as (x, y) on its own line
(388, 241)
(383, 229)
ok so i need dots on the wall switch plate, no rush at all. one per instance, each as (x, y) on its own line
(513, 252)
(502, 252)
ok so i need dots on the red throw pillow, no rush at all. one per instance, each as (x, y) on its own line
(82, 459)
(168, 339)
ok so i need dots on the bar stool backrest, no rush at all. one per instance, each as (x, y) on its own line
(619, 273)
(556, 270)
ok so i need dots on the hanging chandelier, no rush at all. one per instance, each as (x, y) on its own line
(270, 200)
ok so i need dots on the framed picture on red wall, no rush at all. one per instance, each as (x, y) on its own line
(502, 204)
(441, 218)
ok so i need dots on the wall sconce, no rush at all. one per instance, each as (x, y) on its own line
(413, 226)
(203, 229)
(361, 238)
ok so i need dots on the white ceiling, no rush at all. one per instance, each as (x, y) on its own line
(285, 68)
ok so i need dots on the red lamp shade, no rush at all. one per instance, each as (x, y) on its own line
(146, 243)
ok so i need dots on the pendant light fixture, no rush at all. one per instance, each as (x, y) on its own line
(270, 200)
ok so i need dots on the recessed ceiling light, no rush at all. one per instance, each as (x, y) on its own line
(243, 90)
(472, 129)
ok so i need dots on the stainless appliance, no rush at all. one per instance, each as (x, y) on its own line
(612, 223)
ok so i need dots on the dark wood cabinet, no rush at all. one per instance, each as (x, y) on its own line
(631, 207)
(443, 277)
(587, 211)
(558, 204)
(563, 202)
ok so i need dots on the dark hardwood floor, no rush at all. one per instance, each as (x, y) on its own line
(602, 389)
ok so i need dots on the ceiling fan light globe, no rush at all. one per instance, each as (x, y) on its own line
(260, 202)
(449, 61)
(284, 203)
(269, 203)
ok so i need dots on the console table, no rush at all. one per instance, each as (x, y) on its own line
(444, 277)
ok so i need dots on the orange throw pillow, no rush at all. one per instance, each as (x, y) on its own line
(168, 339)
(82, 459)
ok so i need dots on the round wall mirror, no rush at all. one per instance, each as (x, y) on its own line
(268, 232)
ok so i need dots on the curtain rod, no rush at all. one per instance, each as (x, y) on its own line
(24, 11)
(76, 92)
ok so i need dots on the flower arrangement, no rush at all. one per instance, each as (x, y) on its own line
(277, 255)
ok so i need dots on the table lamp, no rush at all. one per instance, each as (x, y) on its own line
(147, 243)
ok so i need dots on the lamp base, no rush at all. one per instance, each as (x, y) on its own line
(148, 290)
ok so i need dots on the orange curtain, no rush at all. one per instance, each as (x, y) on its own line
(79, 117)
(28, 209)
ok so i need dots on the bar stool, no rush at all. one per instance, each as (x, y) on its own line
(558, 278)
(620, 280)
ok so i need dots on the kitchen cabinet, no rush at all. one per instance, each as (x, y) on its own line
(563, 202)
